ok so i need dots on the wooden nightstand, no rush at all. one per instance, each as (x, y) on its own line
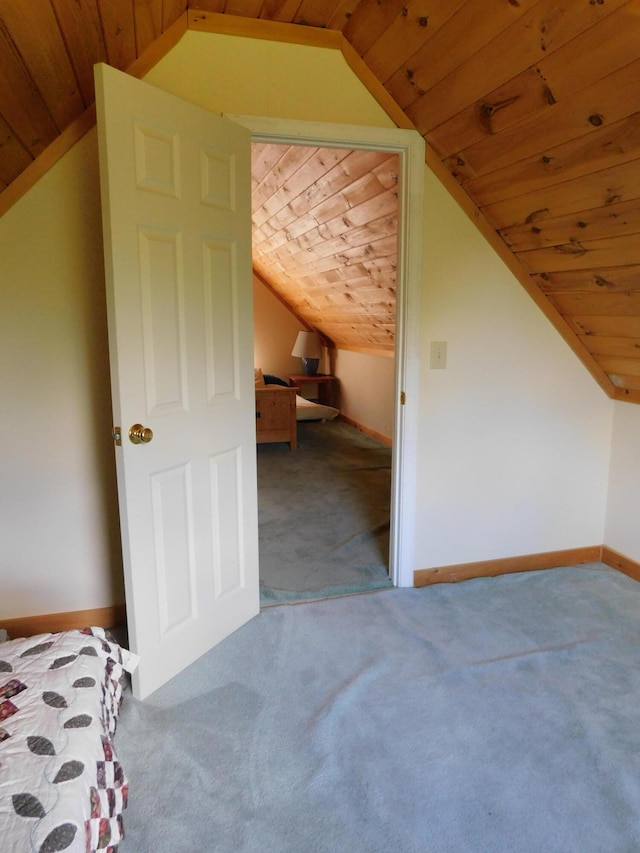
(325, 383)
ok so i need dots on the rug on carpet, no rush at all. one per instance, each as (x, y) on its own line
(490, 716)
(323, 514)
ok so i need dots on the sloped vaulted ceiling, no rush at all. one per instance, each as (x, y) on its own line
(530, 110)
(325, 239)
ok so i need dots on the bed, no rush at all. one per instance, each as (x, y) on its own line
(61, 784)
(308, 410)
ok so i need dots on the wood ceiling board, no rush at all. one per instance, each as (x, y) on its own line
(491, 114)
(266, 170)
(215, 6)
(14, 158)
(614, 220)
(81, 29)
(264, 156)
(609, 326)
(370, 221)
(587, 254)
(45, 58)
(355, 289)
(471, 27)
(617, 347)
(544, 27)
(600, 189)
(342, 14)
(349, 258)
(605, 102)
(147, 15)
(357, 165)
(609, 146)
(360, 243)
(302, 267)
(171, 11)
(355, 202)
(336, 235)
(119, 32)
(22, 106)
(607, 279)
(315, 13)
(594, 54)
(243, 8)
(349, 275)
(369, 21)
(411, 30)
(598, 305)
(345, 171)
(370, 314)
(272, 193)
(282, 11)
(381, 335)
(347, 280)
(621, 366)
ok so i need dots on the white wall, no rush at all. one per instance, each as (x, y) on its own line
(514, 433)
(622, 531)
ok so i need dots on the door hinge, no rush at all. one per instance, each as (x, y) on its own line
(403, 398)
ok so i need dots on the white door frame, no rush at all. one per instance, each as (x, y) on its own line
(409, 145)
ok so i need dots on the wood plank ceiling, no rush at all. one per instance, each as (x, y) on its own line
(325, 239)
(533, 106)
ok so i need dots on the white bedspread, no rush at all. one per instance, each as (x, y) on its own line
(61, 785)
(307, 410)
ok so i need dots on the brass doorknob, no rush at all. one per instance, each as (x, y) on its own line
(139, 434)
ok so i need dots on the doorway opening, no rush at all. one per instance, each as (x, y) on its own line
(409, 147)
(325, 249)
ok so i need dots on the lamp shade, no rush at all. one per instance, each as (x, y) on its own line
(307, 345)
(308, 348)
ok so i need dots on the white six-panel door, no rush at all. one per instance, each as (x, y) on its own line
(176, 219)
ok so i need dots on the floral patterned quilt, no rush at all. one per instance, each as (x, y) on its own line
(61, 785)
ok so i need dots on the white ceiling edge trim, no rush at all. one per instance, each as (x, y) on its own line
(410, 147)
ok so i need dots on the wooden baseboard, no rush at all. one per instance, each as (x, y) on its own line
(491, 568)
(372, 433)
(623, 564)
(115, 615)
(28, 626)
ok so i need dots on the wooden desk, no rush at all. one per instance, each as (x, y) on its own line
(325, 382)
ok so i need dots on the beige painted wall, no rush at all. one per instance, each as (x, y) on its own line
(367, 385)
(514, 433)
(58, 522)
(274, 333)
(623, 521)
(514, 437)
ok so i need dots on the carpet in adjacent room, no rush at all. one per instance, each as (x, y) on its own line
(323, 513)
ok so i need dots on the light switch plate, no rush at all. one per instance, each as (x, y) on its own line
(438, 355)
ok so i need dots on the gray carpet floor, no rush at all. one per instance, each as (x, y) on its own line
(323, 513)
(499, 714)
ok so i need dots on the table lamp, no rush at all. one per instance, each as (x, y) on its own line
(308, 348)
